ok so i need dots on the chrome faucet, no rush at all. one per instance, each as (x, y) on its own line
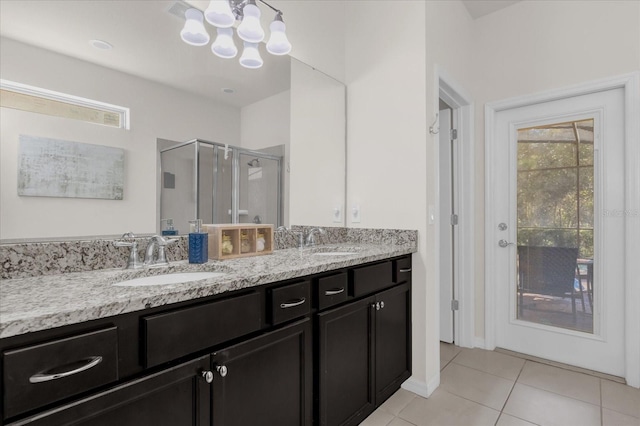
(160, 243)
(310, 239)
(128, 240)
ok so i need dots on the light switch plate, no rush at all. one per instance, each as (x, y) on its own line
(337, 213)
(355, 214)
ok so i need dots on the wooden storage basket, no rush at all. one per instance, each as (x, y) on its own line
(236, 233)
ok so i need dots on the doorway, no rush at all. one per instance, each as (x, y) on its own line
(555, 252)
(448, 248)
(455, 261)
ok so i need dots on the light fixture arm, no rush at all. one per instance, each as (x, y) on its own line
(238, 5)
(271, 7)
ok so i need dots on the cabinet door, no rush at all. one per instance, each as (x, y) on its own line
(393, 340)
(266, 380)
(175, 396)
(346, 394)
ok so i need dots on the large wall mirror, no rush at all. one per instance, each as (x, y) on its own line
(175, 93)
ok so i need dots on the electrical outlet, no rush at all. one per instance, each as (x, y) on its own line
(355, 214)
(337, 213)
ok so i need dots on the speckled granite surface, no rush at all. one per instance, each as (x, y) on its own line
(48, 301)
(23, 260)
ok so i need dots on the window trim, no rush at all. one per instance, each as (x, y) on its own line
(39, 92)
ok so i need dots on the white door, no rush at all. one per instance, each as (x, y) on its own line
(558, 179)
(446, 230)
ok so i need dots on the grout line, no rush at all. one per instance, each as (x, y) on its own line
(601, 409)
(510, 392)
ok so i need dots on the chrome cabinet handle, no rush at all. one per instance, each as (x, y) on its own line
(405, 270)
(208, 376)
(222, 370)
(46, 377)
(382, 305)
(334, 291)
(377, 306)
(293, 304)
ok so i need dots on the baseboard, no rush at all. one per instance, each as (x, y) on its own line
(478, 342)
(421, 388)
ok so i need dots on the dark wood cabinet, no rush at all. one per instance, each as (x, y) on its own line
(175, 396)
(392, 340)
(266, 380)
(323, 350)
(364, 347)
(345, 360)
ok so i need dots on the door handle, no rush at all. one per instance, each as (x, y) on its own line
(505, 243)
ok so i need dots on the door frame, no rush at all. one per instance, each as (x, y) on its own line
(464, 258)
(630, 83)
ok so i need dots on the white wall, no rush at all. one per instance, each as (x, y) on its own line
(386, 143)
(156, 111)
(534, 46)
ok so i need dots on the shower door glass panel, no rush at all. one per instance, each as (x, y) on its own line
(206, 178)
(222, 174)
(555, 210)
(178, 193)
(259, 189)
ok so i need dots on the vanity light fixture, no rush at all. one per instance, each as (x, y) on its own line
(222, 14)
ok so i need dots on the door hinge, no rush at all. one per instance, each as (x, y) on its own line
(454, 134)
(454, 305)
(454, 219)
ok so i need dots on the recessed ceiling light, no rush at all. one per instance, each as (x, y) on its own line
(101, 44)
(228, 90)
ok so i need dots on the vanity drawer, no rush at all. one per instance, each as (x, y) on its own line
(372, 278)
(332, 290)
(170, 335)
(41, 374)
(402, 270)
(289, 302)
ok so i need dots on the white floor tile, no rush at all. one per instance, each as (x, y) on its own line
(621, 398)
(546, 408)
(502, 365)
(564, 382)
(446, 409)
(477, 386)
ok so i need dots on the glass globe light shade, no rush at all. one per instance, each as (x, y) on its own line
(278, 43)
(194, 32)
(251, 56)
(224, 46)
(250, 29)
(219, 14)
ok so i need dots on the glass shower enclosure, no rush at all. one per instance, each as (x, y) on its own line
(220, 184)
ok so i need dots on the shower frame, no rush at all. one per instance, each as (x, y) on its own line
(235, 168)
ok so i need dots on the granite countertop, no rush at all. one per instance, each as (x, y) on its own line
(43, 302)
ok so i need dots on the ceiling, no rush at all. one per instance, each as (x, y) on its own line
(480, 8)
(145, 36)
(146, 42)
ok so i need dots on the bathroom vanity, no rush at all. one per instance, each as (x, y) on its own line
(294, 338)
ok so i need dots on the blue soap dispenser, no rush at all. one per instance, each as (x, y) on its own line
(198, 243)
(170, 230)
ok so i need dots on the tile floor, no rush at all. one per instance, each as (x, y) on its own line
(479, 387)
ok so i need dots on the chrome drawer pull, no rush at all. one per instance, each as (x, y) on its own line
(293, 304)
(44, 377)
(405, 270)
(334, 291)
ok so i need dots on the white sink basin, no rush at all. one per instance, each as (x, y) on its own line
(177, 278)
